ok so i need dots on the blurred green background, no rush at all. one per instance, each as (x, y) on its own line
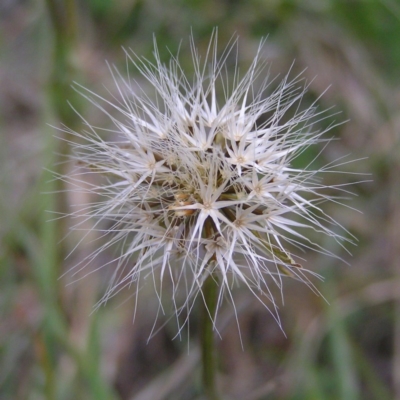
(52, 347)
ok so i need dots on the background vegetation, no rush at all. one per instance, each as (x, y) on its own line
(50, 345)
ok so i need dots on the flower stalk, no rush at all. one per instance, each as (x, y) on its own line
(208, 350)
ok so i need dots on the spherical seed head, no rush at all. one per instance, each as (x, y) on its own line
(201, 179)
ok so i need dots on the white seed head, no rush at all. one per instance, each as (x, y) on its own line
(202, 176)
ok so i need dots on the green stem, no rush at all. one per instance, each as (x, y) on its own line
(63, 17)
(209, 365)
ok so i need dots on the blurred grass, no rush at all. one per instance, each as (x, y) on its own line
(50, 345)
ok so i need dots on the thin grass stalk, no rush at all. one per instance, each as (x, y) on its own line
(54, 251)
(63, 17)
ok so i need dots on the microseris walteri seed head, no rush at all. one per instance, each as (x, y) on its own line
(197, 179)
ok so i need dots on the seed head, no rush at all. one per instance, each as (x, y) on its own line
(199, 180)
